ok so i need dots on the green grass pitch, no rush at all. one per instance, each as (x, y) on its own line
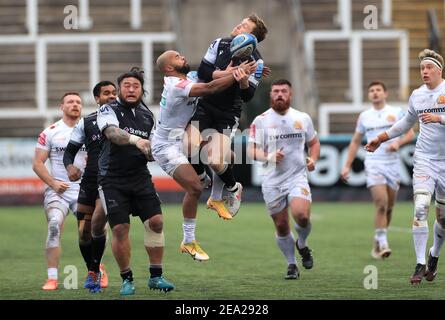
(245, 262)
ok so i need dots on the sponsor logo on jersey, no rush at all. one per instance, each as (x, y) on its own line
(441, 99)
(298, 125)
(431, 110)
(137, 132)
(286, 136)
(391, 118)
(305, 191)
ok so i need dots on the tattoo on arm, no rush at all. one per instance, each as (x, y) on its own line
(117, 135)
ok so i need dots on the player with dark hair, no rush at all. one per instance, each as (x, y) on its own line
(125, 185)
(217, 115)
(61, 192)
(382, 168)
(178, 103)
(90, 214)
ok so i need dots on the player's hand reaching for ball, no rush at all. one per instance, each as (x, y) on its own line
(242, 77)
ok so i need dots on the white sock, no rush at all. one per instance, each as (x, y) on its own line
(287, 246)
(303, 233)
(188, 229)
(52, 273)
(420, 238)
(217, 187)
(439, 237)
(380, 237)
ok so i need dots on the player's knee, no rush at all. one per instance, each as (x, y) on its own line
(303, 220)
(120, 232)
(440, 205)
(422, 201)
(194, 189)
(282, 227)
(152, 237)
(155, 223)
(54, 230)
(382, 207)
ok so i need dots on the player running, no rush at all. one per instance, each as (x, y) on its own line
(426, 106)
(383, 167)
(278, 138)
(61, 192)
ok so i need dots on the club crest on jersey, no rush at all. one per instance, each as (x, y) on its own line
(298, 125)
(391, 118)
(305, 191)
(441, 99)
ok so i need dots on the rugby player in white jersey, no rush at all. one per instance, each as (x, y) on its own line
(278, 138)
(427, 106)
(61, 192)
(383, 166)
(177, 106)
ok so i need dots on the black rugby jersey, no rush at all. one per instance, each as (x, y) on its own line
(87, 133)
(218, 57)
(127, 160)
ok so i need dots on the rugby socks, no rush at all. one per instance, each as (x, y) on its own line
(155, 270)
(286, 245)
(217, 187)
(303, 234)
(420, 239)
(52, 273)
(188, 229)
(97, 248)
(127, 275)
(380, 237)
(227, 177)
(86, 250)
(439, 237)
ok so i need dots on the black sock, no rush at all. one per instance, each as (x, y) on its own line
(155, 271)
(97, 249)
(199, 168)
(85, 249)
(228, 178)
(127, 275)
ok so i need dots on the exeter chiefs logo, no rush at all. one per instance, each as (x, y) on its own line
(391, 118)
(305, 191)
(298, 125)
(441, 99)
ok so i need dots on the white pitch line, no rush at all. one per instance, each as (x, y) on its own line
(399, 229)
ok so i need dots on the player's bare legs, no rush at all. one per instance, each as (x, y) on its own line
(383, 198)
(186, 176)
(301, 211)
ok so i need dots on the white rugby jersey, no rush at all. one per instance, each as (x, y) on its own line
(373, 122)
(54, 139)
(431, 140)
(290, 132)
(176, 108)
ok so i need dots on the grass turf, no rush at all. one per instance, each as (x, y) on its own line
(245, 262)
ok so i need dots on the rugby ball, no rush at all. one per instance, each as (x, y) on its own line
(243, 45)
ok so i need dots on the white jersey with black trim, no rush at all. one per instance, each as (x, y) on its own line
(54, 139)
(176, 109)
(430, 142)
(271, 131)
(374, 121)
